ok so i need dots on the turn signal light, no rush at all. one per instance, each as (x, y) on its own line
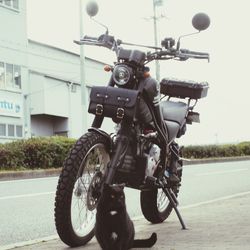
(107, 68)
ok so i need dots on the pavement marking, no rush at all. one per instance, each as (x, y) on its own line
(227, 197)
(25, 195)
(222, 172)
(55, 237)
(27, 180)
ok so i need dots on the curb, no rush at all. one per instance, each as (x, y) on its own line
(40, 173)
(217, 160)
(29, 174)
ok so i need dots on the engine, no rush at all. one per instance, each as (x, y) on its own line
(153, 158)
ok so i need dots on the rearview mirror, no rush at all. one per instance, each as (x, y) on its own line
(92, 8)
(201, 21)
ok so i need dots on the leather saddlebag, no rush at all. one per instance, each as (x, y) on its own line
(117, 103)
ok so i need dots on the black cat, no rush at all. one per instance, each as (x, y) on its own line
(114, 229)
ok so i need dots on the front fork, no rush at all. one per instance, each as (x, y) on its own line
(120, 150)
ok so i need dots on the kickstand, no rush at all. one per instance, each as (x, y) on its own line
(174, 203)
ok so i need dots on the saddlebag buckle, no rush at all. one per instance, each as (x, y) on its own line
(120, 113)
(99, 109)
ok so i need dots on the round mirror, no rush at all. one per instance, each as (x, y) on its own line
(201, 21)
(92, 8)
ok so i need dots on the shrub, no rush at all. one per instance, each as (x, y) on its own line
(11, 155)
(42, 152)
(48, 152)
(245, 148)
(216, 151)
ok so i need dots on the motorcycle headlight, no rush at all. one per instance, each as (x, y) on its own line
(122, 74)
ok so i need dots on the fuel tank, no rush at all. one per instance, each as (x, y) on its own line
(152, 88)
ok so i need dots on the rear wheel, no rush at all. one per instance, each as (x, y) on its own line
(155, 205)
(78, 189)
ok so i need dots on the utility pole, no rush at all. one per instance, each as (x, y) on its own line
(157, 63)
(82, 74)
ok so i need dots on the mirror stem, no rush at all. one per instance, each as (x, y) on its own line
(179, 39)
(107, 30)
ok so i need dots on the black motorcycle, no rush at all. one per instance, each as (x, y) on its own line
(142, 153)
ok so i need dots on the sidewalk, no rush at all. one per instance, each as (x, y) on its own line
(218, 225)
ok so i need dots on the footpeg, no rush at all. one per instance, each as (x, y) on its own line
(184, 159)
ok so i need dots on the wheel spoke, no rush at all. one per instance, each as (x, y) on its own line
(83, 202)
(162, 201)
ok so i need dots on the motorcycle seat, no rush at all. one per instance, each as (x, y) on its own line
(174, 111)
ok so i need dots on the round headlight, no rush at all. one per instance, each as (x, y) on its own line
(121, 74)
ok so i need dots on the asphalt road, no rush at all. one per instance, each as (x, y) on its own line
(26, 206)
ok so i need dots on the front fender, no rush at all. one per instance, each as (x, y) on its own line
(103, 133)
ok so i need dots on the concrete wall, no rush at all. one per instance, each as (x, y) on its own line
(50, 94)
(13, 50)
(63, 64)
(55, 84)
(13, 26)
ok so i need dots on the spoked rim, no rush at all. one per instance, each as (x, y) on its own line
(84, 195)
(162, 201)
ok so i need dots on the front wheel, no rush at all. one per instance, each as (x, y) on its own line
(78, 189)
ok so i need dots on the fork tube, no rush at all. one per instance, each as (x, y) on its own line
(122, 144)
(97, 123)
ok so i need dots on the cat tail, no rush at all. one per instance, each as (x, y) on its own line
(145, 243)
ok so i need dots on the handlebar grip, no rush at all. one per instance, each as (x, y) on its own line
(163, 53)
(186, 51)
(90, 38)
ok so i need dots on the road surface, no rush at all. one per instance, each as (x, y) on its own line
(26, 206)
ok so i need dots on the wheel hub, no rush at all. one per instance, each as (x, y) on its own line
(94, 191)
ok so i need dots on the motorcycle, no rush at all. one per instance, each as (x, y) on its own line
(143, 152)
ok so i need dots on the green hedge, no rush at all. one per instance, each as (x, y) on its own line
(50, 152)
(217, 151)
(35, 153)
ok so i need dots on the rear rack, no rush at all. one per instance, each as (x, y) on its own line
(183, 89)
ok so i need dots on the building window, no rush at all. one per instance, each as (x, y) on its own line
(12, 4)
(16, 4)
(2, 75)
(11, 130)
(2, 129)
(10, 76)
(19, 131)
(17, 76)
(7, 2)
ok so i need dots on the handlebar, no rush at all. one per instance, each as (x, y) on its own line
(182, 55)
(104, 40)
(89, 40)
(109, 42)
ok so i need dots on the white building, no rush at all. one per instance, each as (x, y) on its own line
(40, 92)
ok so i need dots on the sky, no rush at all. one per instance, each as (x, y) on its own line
(224, 112)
